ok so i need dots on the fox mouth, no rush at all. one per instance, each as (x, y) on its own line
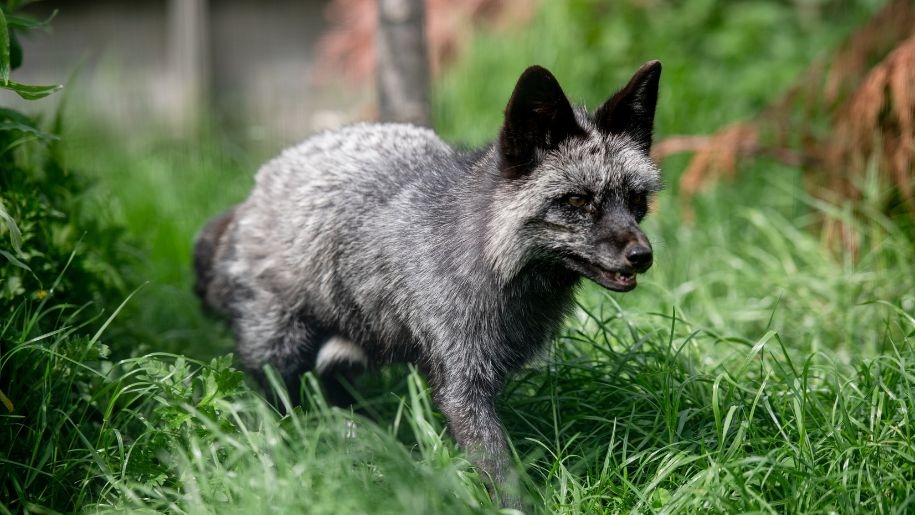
(621, 279)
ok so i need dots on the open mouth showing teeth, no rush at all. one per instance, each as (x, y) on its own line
(617, 280)
(624, 279)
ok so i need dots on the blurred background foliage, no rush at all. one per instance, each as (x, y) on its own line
(45, 223)
(723, 61)
(647, 401)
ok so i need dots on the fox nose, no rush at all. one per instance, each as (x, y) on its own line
(639, 256)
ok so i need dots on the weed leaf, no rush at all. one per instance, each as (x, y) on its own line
(28, 129)
(27, 22)
(4, 50)
(26, 91)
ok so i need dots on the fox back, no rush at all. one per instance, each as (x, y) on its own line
(380, 242)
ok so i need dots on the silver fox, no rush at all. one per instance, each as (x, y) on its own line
(377, 243)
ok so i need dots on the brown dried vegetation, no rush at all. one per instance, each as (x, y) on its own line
(864, 94)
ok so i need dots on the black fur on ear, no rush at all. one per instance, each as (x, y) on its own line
(631, 110)
(538, 116)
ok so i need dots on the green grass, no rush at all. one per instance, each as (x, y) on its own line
(163, 191)
(752, 370)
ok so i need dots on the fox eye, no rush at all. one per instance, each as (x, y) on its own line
(639, 204)
(638, 199)
(577, 201)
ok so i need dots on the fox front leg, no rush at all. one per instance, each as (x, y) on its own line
(468, 403)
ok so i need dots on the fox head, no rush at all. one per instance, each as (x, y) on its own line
(574, 185)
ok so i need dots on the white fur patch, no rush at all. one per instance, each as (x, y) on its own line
(338, 350)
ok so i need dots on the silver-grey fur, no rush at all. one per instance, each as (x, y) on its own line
(390, 244)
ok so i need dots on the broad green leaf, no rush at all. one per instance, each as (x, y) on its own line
(31, 92)
(15, 116)
(28, 129)
(28, 22)
(15, 239)
(4, 50)
(14, 261)
(15, 234)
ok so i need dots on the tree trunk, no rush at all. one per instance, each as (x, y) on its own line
(403, 63)
(188, 59)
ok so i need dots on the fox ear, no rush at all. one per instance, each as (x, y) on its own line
(538, 116)
(631, 110)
